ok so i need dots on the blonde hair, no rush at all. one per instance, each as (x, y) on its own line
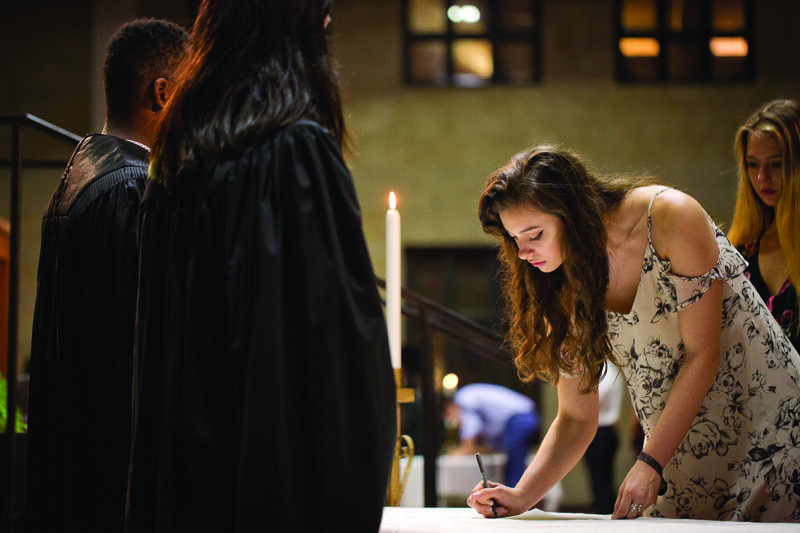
(780, 119)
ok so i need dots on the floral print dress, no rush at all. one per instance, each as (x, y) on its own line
(740, 459)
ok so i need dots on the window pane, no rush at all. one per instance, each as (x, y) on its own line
(516, 15)
(639, 47)
(428, 62)
(469, 17)
(728, 46)
(684, 40)
(472, 62)
(729, 68)
(729, 58)
(728, 15)
(516, 62)
(427, 16)
(685, 61)
(683, 16)
(457, 42)
(639, 69)
(639, 15)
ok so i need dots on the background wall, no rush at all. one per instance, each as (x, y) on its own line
(433, 146)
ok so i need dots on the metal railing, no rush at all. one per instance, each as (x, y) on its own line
(10, 513)
(432, 318)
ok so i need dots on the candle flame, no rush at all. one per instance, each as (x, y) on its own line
(392, 200)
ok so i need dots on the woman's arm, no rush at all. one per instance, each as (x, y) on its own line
(561, 449)
(682, 234)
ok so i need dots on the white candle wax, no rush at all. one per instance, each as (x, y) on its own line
(393, 272)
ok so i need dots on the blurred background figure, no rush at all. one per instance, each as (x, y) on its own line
(766, 221)
(600, 454)
(494, 419)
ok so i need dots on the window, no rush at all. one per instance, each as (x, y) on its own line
(471, 43)
(684, 40)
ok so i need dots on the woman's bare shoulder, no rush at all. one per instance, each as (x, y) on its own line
(681, 232)
(674, 213)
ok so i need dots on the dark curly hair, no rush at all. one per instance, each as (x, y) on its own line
(557, 320)
(140, 51)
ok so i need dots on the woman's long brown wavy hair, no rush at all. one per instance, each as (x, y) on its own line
(557, 320)
(253, 67)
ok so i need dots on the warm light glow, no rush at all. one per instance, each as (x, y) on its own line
(467, 14)
(639, 47)
(676, 16)
(473, 56)
(728, 46)
(450, 381)
(639, 15)
(392, 200)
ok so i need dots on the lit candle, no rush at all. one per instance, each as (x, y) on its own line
(393, 298)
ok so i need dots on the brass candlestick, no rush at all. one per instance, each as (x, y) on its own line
(404, 446)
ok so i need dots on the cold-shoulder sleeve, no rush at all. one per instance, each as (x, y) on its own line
(730, 264)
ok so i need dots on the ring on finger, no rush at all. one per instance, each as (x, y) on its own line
(636, 507)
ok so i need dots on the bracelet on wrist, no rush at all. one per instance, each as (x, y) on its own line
(652, 463)
(655, 465)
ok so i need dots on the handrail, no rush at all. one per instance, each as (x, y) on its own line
(17, 121)
(39, 124)
(461, 330)
(10, 515)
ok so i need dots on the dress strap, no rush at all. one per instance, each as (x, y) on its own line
(649, 210)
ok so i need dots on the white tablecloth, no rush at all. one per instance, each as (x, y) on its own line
(465, 520)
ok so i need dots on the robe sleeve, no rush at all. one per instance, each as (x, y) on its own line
(265, 384)
(309, 336)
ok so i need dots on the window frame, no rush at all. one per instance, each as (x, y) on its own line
(665, 37)
(494, 35)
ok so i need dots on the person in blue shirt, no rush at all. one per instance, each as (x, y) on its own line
(494, 417)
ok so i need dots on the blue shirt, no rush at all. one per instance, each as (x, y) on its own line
(485, 410)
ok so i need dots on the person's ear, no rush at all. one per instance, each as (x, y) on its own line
(158, 94)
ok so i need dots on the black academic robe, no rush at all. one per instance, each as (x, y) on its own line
(265, 398)
(82, 346)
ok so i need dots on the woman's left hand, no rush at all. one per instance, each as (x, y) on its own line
(638, 491)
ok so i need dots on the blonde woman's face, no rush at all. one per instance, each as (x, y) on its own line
(537, 234)
(765, 167)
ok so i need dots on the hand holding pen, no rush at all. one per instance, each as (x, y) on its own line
(485, 481)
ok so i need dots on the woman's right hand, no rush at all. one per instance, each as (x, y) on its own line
(507, 501)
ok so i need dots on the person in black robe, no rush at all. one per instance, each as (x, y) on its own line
(80, 399)
(265, 398)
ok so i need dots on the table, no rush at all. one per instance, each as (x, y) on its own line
(465, 520)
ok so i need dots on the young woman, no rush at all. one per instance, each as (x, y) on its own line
(639, 275)
(263, 375)
(766, 221)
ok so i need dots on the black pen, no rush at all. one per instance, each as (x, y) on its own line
(485, 481)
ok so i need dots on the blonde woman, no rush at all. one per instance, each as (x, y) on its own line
(766, 221)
